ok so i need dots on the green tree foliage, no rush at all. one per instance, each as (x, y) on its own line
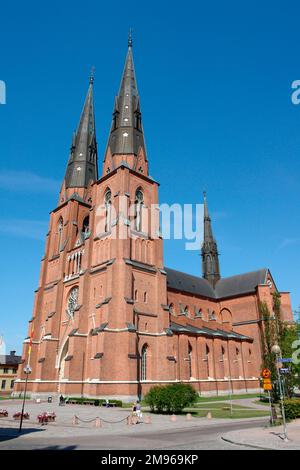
(276, 331)
(171, 398)
(292, 409)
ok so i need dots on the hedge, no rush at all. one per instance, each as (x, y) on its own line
(171, 398)
(292, 409)
(95, 401)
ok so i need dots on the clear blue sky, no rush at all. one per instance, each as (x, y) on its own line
(215, 85)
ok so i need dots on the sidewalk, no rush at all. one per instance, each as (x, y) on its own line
(267, 438)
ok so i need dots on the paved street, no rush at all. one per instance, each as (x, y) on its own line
(161, 433)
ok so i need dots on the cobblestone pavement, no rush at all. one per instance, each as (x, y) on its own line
(114, 433)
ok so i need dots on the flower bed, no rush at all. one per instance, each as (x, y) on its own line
(18, 415)
(44, 418)
(3, 414)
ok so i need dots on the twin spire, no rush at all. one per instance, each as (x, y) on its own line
(126, 135)
(83, 165)
(126, 138)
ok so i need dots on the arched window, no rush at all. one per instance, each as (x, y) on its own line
(139, 201)
(190, 358)
(186, 310)
(107, 202)
(144, 362)
(72, 302)
(207, 359)
(86, 225)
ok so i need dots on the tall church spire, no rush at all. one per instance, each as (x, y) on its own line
(82, 165)
(209, 251)
(126, 134)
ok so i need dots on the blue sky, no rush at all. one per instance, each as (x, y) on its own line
(215, 85)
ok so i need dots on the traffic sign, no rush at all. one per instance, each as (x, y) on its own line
(268, 386)
(284, 359)
(284, 370)
(266, 381)
(266, 373)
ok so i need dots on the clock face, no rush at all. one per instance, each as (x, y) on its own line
(269, 283)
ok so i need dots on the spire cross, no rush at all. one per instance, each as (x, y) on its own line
(92, 74)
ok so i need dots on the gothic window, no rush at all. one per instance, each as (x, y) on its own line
(107, 202)
(190, 357)
(211, 314)
(86, 225)
(207, 359)
(198, 312)
(186, 310)
(72, 302)
(139, 201)
(144, 362)
(209, 264)
(136, 295)
(60, 232)
(222, 354)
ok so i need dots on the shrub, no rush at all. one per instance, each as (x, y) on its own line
(95, 401)
(171, 398)
(292, 409)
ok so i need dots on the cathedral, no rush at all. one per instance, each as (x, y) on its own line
(110, 320)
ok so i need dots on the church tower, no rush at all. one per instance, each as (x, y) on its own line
(100, 314)
(209, 251)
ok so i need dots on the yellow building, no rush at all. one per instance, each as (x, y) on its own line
(8, 372)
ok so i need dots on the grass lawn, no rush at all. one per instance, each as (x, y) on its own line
(227, 397)
(237, 414)
(218, 406)
(222, 410)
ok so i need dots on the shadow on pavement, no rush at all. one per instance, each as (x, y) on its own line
(8, 433)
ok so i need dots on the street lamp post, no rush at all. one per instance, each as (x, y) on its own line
(277, 351)
(27, 371)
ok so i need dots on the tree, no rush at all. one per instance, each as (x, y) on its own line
(276, 331)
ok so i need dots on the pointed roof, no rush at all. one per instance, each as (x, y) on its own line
(82, 165)
(209, 251)
(126, 133)
(208, 235)
(232, 286)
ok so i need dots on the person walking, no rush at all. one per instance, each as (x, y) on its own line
(139, 412)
